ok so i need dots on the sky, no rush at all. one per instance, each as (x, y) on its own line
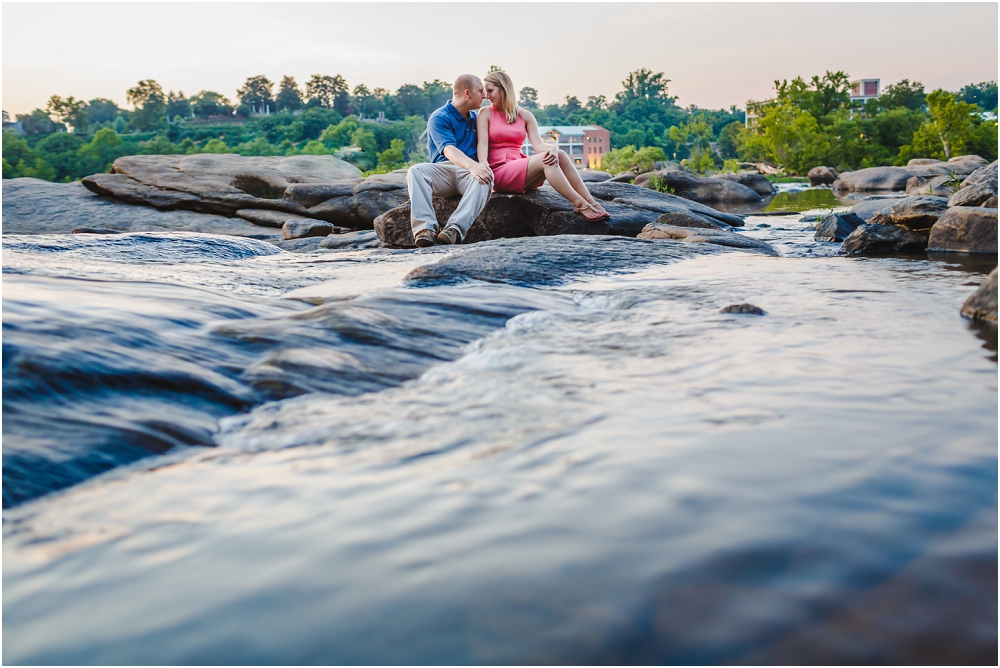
(715, 54)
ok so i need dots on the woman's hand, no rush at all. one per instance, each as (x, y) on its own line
(551, 156)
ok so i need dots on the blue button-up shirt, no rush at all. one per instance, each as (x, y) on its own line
(446, 127)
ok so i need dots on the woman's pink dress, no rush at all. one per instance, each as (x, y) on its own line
(509, 165)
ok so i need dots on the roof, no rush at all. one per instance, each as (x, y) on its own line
(567, 130)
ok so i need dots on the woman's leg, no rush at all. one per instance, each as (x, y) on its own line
(557, 179)
(576, 181)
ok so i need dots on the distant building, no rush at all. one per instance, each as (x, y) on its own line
(584, 144)
(863, 90)
(755, 109)
(261, 108)
(16, 126)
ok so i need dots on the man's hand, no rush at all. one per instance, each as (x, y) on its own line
(482, 173)
(551, 156)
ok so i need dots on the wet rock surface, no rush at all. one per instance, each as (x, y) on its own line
(360, 240)
(752, 180)
(939, 186)
(875, 179)
(822, 176)
(743, 309)
(978, 189)
(837, 226)
(871, 239)
(33, 206)
(299, 228)
(965, 229)
(655, 231)
(694, 187)
(913, 213)
(982, 304)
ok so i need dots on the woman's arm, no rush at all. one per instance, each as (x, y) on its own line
(531, 126)
(483, 135)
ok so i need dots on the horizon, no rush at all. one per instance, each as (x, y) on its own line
(72, 63)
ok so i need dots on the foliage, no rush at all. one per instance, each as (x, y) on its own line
(393, 157)
(70, 111)
(730, 166)
(101, 110)
(984, 95)
(728, 140)
(630, 159)
(289, 97)
(658, 184)
(208, 103)
(948, 128)
(328, 92)
(255, 91)
(38, 122)
(98, 154)
(528, 98)
(215, 146)
(696, 137)
(150, 104)
(365, 140)
(789, 136)
(61, 151)
(178, 105)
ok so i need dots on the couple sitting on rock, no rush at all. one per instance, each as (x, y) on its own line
(472, 153)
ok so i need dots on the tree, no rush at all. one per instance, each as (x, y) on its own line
(630, 159)
(38, 122)
(178, 105)
(494, 68)
(150, 103)
(393, 157)
(596, 103)
(256, 92)
(363, 99)
(643, 84)
(60, 150)
(572, 105)
(984, 95)
(696, 137)
(528, 98)
(215, 145)
(101, 151)
(902, 94)
(365, 140)
(70, 111)
(209, 103)
(338, 136)
(789, 136)
(101, 110)
(289, 96)
(314, 147)
(328, 92)
(821, 97)
(728, 140)
(946, 131)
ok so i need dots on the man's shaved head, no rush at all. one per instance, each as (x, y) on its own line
(465, 82)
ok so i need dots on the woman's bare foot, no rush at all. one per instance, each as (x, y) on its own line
(590, 212)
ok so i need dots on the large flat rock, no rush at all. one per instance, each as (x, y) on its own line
(32, 206)
(965, 229)
(874, 179)
(694, 187)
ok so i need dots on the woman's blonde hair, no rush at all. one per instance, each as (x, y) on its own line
(501, 80)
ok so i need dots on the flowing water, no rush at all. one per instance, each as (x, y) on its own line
(536, 450)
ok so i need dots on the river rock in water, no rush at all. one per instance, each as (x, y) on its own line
(939, 186)
(873, 178)
(982, 304)
(869, 239)
(837, 226)
(966, 229)
(690, 219)
(979, 189)
(33, 206)
(698, 235)
(913, 213)
(694, 187)
(298, 228)
(822, 176)
(752, 180)
(743, 309)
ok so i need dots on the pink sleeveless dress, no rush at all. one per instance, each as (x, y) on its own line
(509, 165)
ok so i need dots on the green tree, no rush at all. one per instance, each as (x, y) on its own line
(528, 98)
(628, 158)
(150, 104)
(101, 151)
(289, 97)
(256, 92)
(16, 149)
(215, 146)
(365, 140)
(984, 95)
(644, 84)
(178, 105)
(61, 151)
(328, 92)
(393, 157)
(38, 169)
(314, 147)
(38, 122)
(789, 136)
(947, 130)
(101, 110)
(903, 94)
(209, 103)
(696, 137)
(363, 99)
(70, 111)
(338, 136)
(728, 140)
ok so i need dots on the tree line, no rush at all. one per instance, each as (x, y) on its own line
(808, 123)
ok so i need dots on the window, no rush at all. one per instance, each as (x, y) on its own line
(871, 88)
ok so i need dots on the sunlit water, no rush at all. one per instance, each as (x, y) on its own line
(312, 459)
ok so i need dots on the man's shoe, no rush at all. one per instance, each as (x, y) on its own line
(448, 235)
(424, 239)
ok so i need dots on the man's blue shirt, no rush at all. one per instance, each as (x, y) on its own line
(446, 127)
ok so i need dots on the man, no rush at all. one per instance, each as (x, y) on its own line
(453, 169)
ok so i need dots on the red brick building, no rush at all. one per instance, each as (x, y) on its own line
(584, 144)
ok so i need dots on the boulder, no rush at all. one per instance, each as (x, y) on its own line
(871, 239)
(216, 183)
(694, 187)
(299, 228)
(913, 213)
(313, 194)
(978, 189)
(362, 239)
(690, 219)
(624, 177)
(973, 159)
(743, 309)
(752, 180)
(873, 178)
(923, 161)
(32, 206)
(594, 176)
(644, 198)
(720, 237)
(982, 305)
(965, 229)
(265, 217)
(957, 169)
(837, 226)
(868, 208)
(822, 176)
(939, 186)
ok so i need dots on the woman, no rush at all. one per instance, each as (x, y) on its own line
(501, 129)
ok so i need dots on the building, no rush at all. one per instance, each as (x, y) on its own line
(863, 90)
(584, 144)
(755, 109)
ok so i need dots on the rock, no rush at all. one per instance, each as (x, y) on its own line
(812, 218)
(363, 239)
(873, 178)
(939, 186)
(871, 239)
(978, 189)
(694, 187)
(644, 198)
(822, 176)
(956, 169)
(370, 204)
(973, 159)
(923, 161)
(624, 177)
(217, 183)
(691, 219)
(982, 305)
(265, 217)
(766, 169)
(837, 226)
(312, 194)
(965, 229)
(752, 180)
(593, 176)
(32, 206)
(720, 237)
(93, 230)
(868, 208)
(743, 309)
(298, 228)
(913, 213)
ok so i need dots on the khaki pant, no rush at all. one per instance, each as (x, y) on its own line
(444, 179)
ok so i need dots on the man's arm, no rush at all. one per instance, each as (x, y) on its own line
(481, 171)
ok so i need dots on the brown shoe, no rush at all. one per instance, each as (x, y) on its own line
(448, 235)
(424, 239)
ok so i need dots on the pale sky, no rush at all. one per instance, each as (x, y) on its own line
(716, 54)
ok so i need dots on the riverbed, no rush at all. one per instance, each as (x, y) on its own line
(219, 452)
